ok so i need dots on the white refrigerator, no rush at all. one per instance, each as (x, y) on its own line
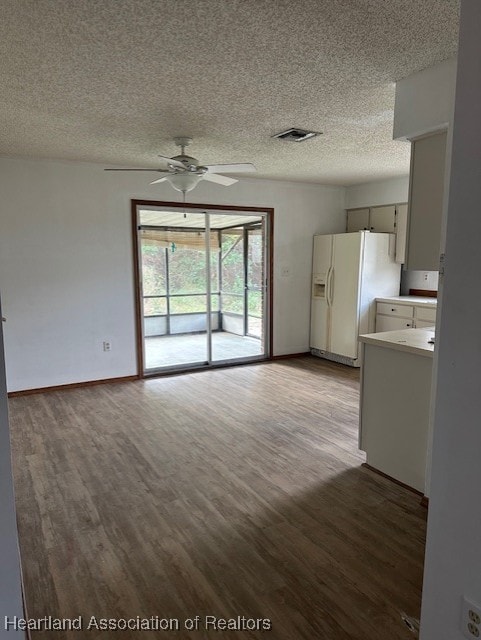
(349, 271)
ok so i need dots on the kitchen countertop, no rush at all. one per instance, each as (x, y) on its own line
(429, 302)
(410, 340)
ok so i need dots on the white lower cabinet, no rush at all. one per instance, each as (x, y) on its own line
(423, 324)
(395, 410)
(405, 312)
(392, 323)
(426, 314)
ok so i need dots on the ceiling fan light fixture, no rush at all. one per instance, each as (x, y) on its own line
(183, 172)
(184, 182)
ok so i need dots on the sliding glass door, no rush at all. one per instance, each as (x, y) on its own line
(255, 281)
(202, 287)
(174, 296)
(243, 292)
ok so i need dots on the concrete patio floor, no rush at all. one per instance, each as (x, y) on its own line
(168, 351)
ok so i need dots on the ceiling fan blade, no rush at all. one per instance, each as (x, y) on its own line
(215, 177)
(158, 170)
(174, 163)
(240, 167)
(159, 180)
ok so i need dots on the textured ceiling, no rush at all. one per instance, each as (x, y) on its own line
(112, 81)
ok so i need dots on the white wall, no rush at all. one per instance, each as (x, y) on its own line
(453, 556)
(373, 194)
(424, 101)
(66, 263)
(427, 280)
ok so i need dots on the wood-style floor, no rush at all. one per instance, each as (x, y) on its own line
(229, 492)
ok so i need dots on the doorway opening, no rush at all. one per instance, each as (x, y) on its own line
(203, 283)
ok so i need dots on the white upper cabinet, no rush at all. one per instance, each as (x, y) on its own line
(375, 219)
(426, 191)
(401, 231)
(390, 218)
(357, 220)
(383, 219)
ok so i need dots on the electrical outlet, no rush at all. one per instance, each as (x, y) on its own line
(426, 275)
(471, 619)
(107, 346)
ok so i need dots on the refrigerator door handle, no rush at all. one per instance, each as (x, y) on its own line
(329, 286)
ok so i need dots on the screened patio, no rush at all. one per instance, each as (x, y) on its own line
(192, 268)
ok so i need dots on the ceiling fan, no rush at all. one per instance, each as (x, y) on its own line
(184, 172)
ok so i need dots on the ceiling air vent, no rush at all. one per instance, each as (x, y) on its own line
(296, 135)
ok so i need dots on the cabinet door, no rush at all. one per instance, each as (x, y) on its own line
(395, 400)
(427, 314)
(383, 219)
(422, 324)
(426, 192)
(401, 230)
(357, 220)
(392, 323)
